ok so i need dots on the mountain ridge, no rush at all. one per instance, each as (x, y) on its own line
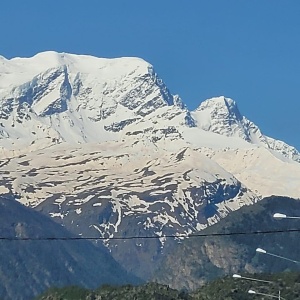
(77, 93)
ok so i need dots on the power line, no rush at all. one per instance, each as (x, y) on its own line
(149, 237)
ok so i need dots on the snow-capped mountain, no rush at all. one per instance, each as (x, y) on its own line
(54, 98)
(58, 97)
(103, 147)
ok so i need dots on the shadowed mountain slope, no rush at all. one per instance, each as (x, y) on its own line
(29, 264)
(200, 259)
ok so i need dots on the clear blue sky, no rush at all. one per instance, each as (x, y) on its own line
(248, 50)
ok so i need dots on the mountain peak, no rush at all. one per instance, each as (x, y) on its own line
(113, 68)
(221, 105)
(221, 115)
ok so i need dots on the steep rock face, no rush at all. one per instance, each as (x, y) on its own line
(221, 115)
(28, 267)
(210, 257)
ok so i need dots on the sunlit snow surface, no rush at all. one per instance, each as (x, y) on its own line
(175, 192)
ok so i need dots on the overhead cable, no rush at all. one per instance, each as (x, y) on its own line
(181, 236)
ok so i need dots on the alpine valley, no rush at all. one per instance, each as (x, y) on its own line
(104, 149)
